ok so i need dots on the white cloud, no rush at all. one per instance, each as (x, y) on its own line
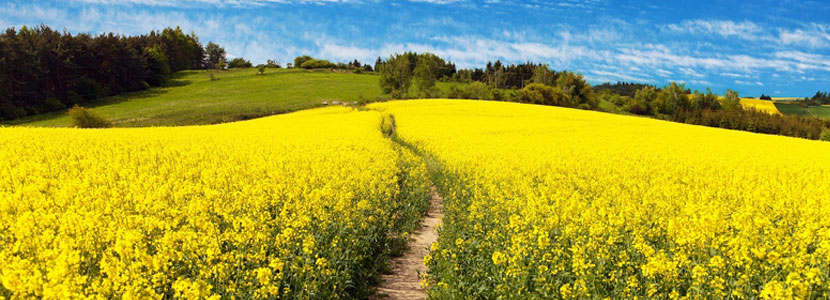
(745, 30)
(741, 82)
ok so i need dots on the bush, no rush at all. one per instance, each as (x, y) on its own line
(85, 118)
(239, 62)
(475, 90)
(825, 135)
(538, 93)
(317, 64)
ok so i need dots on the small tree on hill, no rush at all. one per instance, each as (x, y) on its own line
(299, 60)
(239, 62)
(215, 54)
(731, 101)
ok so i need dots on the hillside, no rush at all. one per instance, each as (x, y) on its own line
(797, 109)
(238, 94)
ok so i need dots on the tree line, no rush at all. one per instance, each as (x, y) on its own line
(44, 70)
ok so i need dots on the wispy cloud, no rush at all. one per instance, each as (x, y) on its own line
(745, 29)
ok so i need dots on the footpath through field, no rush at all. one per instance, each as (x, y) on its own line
(405, 280)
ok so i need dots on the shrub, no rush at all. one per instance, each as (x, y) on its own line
(825, 135)
(317, 64)
(475, 90)
(261, 69)
(239, 62)
(538, 93)
(85, 118)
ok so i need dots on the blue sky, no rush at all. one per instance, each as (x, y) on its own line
(780, 48)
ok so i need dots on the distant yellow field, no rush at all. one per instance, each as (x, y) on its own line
(786, 98)
(760, 105)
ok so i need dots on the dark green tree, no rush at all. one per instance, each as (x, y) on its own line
(396, 75)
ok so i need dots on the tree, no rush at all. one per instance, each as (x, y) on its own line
(700, 101)
(426, 73)
(316, 64)
(731, 102)
(672, 98)
(239, 62)
(158, 70)
(221, 65)
(215, 54)
(274, 64)
(261, 69)
(538, 93)
(643, 102)
(578, 91)
(396, 75)
(299, 60)
(542, 74)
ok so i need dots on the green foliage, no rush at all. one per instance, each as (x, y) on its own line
(261, 69)
(85, 118)
(825, 134)
(273, 64)
(182, 51)
(87, 89)
(221, 65)
(643, 100)
(474, 90)
(317, 64)
(215, 55)
(396, 75)
(158, 69)
(576, 89)
(672, 98)
(544, 75)
(704, 101)
(299, 60)
(239, 62)
(731, 101)
(426, 73)
(620, 88)
(537, 93)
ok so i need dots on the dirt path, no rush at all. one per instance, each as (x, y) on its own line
(404, 282)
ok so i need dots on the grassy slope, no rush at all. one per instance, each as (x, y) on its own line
(795, 109)
(192, 98)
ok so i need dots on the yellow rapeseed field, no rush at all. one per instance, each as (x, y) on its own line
(549, 203)
(760, 105)
(300, 206)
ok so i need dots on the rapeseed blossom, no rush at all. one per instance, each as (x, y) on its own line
(556, 203)
(294, 206)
